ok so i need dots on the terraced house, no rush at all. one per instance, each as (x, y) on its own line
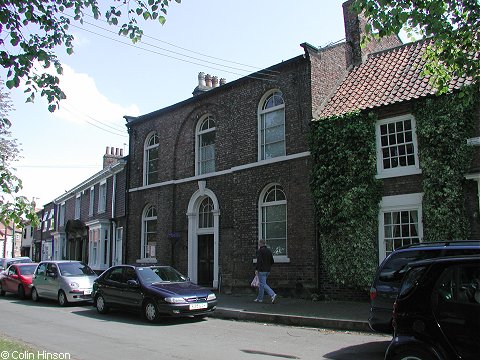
(86, 223)
(210, 176)
(390, 85)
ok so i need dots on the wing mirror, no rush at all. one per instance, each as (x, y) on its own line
(133, 283)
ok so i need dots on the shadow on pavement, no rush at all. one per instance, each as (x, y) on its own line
(368, 351)
(133, 318)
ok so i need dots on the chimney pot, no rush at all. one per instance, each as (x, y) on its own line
(121, 152)
(215, 81)
(106, 150)
(208, 80)
(223, 81)
(201, 79)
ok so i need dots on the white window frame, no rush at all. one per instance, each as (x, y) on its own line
(199, 160)
(262, 205)
(105, 247)
(99, 244)
(93, 237)
(61, 215)
(399, 170)
(92, 200)
(102, 197)
(60, 246)
(45, 220)
(147, 148)
(51, 218)
(261, 134)
(117, 256)
(78, 205)
(146, 218)
(407, 202)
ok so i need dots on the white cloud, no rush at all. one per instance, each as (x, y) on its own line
(86, 103)
(80, 40)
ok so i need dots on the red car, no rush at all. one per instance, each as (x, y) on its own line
(17, 278)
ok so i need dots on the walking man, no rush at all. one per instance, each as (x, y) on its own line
(264, 265)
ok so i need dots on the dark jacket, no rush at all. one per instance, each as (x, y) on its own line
(264, 259)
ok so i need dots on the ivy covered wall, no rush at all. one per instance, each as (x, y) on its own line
(443, 125)
(347, 194)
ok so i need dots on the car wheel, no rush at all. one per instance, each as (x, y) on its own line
(150, 311)
(35, 296)
(21, 292)
(2, 292)
(100, 304)
(62, 298)
(413, 354)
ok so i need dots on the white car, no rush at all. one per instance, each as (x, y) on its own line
(63, 280)
(6, 262)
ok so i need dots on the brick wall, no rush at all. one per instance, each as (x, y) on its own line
(234, 107)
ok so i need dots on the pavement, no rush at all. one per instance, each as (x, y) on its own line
(338, 315)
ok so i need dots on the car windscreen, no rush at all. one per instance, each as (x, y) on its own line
(75, 269)
(17, 260)
(167, 273)
(163, 274)
(27, 269)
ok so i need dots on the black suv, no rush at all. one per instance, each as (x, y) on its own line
(386, 284)
(437, 312)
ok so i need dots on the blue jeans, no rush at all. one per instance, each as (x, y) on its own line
(262, 277)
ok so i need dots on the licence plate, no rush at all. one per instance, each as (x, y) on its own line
(87, 292)
(198, 306)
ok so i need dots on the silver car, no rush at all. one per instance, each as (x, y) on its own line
(63, 280)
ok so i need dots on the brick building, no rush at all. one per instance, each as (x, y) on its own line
(390, 84)
(87, 222)
(10, 240)
(210, 176)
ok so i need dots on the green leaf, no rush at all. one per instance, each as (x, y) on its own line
(162, 19)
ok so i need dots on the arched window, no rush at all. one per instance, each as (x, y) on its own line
(151, 159)
(149, 232)
(205, 214)
(273, 219)
(206, 145)
(272, 127)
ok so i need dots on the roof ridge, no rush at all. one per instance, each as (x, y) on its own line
(410, 44)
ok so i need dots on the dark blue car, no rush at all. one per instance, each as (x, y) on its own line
(155, 291)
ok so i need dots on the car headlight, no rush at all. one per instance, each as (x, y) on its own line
(175, 300)
(211, 297)
(74, 285)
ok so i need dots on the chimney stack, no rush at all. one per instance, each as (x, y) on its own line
(207, 82)
(354, 30)
(112, 155)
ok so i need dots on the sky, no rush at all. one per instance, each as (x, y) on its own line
(108, 77)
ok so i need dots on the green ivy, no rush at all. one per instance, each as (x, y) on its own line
(346, 195)
(443, 125)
